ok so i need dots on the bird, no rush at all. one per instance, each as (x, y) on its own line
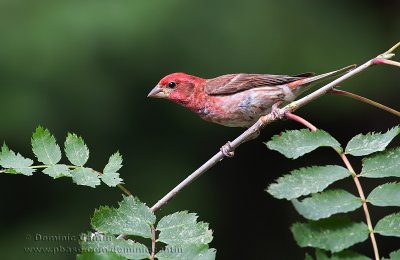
(236, 100)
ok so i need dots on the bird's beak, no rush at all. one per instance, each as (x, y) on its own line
(157, 92)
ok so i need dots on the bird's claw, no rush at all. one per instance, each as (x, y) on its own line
(275, 112)
(227, 150)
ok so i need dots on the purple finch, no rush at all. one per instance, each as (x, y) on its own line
(236, 100)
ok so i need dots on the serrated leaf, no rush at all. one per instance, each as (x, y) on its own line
(114, 163)
(76, 150)
(101, 256)
(361, 145)
(389, 225)
(384, 164)
(305, 181)
(110, 175)
(44, 146)
(343, 255)
(185, 252)
(327, 203)
(15, 163)
(85, 176)
(385, 195)
(57, 171)
(132, 217)
(111, 179)
(107, 243)
(181, 228)
(295, 143)
(333, 234)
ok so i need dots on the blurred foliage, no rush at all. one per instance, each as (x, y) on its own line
(87, 66)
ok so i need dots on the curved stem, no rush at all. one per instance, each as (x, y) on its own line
(364, 204)
(365, 100)
(301, 120)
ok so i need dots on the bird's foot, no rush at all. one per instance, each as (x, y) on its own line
(275, 112)
(227, 150)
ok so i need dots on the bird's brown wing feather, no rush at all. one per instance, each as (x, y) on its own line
(233, 83)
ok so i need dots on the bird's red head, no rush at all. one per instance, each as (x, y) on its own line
(178, 87)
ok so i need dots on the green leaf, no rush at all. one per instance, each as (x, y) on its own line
(15, 163)
(343, 255)
(385, 195)
(333, 234)
(131, 218)
(185, 252)
(181, 228)
(114, 163)
(348, 255)
(57, 171)
(103, 256)
(305, 181)
(295, 143)
(85, 176)
(110, 175)
(308, 257)
(327, 203)
(44, 147)
(76, 150)
(395, 255)
(389, 225)
(99, 243)
(384, 164)
(361, 145)
(112, 179)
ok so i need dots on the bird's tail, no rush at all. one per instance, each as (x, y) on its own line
(328, 75)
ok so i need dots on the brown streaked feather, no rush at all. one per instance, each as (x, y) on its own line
(233, 83)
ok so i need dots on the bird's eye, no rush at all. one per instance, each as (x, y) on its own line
(171, 84)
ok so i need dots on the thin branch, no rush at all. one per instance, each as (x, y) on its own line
(265, 120)
(365, 100)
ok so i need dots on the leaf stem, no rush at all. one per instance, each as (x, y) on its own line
(364, 204)
(365, 100)
(153, 242)
(125, 190)
(38, 166)
(120, 186)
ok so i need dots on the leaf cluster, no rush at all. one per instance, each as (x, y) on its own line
(328, 229)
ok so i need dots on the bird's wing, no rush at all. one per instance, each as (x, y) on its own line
(233, 83)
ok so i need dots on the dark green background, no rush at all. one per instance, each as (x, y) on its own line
(87, 66)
